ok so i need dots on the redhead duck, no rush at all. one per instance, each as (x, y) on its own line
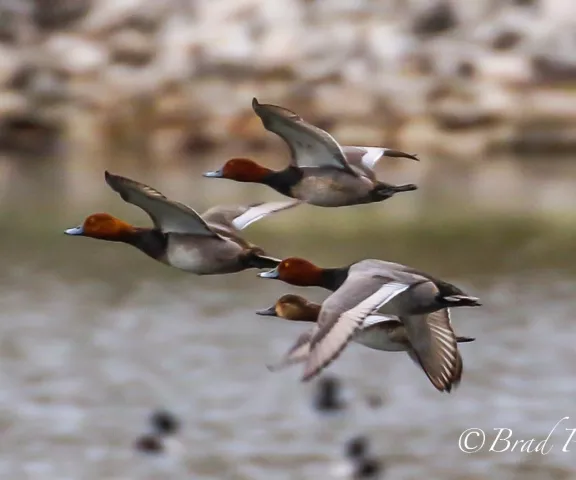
(204, 245)
(321, 172)
(420, 302)
(379, 332)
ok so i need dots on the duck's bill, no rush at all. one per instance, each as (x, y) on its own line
(267, 312)
(75, 231)
(269, 274)
(214, 174)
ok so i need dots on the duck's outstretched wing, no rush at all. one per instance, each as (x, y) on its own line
(435, 348)
(309, 145)
(298, 353)
(238, 217)
(167, 215)
(336, 327)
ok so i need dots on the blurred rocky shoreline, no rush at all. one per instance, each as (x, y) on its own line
(175, 78)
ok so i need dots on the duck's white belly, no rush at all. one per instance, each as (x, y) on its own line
(204, 257)
(378, 340)
(186, 257)
(332, 189)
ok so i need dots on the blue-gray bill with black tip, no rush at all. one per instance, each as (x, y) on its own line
(270, 274)
(75, 231)
(214, 174)
(269, 312)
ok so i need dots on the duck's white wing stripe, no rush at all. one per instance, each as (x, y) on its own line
(376, 319)
(372, 155)
(257, 212)
(333, 337)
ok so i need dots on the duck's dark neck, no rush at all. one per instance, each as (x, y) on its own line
(283, 180)
(333, 278)
(150, 240)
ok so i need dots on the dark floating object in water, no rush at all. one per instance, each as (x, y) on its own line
(328, 396)
(364, 466)
(164, 423)
(149, 444)
(369, 468)
(374, 400)
(356, 447)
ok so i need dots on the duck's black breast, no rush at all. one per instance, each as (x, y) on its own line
(284, 180)
(152, 242)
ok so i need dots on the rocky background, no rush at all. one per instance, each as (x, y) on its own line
(171, 78)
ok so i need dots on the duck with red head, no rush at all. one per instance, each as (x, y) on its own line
(242, 170)
(104, 226)
(419, 301)
(321, 172)
(302, 273)
(205, 245)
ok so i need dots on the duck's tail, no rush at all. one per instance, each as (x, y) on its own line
(385, 190)
(461, 301)
(465, 339)
(403, 188)
(258, 260)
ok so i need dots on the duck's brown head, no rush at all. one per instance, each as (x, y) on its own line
(296, 271)
(241, 170)
(293, 307)
(103, 226)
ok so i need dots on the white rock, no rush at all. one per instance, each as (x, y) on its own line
(132, 47)
(281, 13)
(12, 103)
(10, 62)
(229, 43)
(280, 46)
(505, 67)
(76, 55)
(219, 12)
(555, 104)
(176, 41)
(388, 44)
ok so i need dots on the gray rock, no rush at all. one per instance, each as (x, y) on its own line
(58, 14)
(439, 18)
(131, 47)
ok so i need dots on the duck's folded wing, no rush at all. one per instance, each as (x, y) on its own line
(298, 352)
(336, 328)
(167, 215)
(309, 145)
(435, 348)
(239, 217)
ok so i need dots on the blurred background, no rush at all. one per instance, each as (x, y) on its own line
(94, 336)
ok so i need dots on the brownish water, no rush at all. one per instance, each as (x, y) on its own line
(95, 335)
